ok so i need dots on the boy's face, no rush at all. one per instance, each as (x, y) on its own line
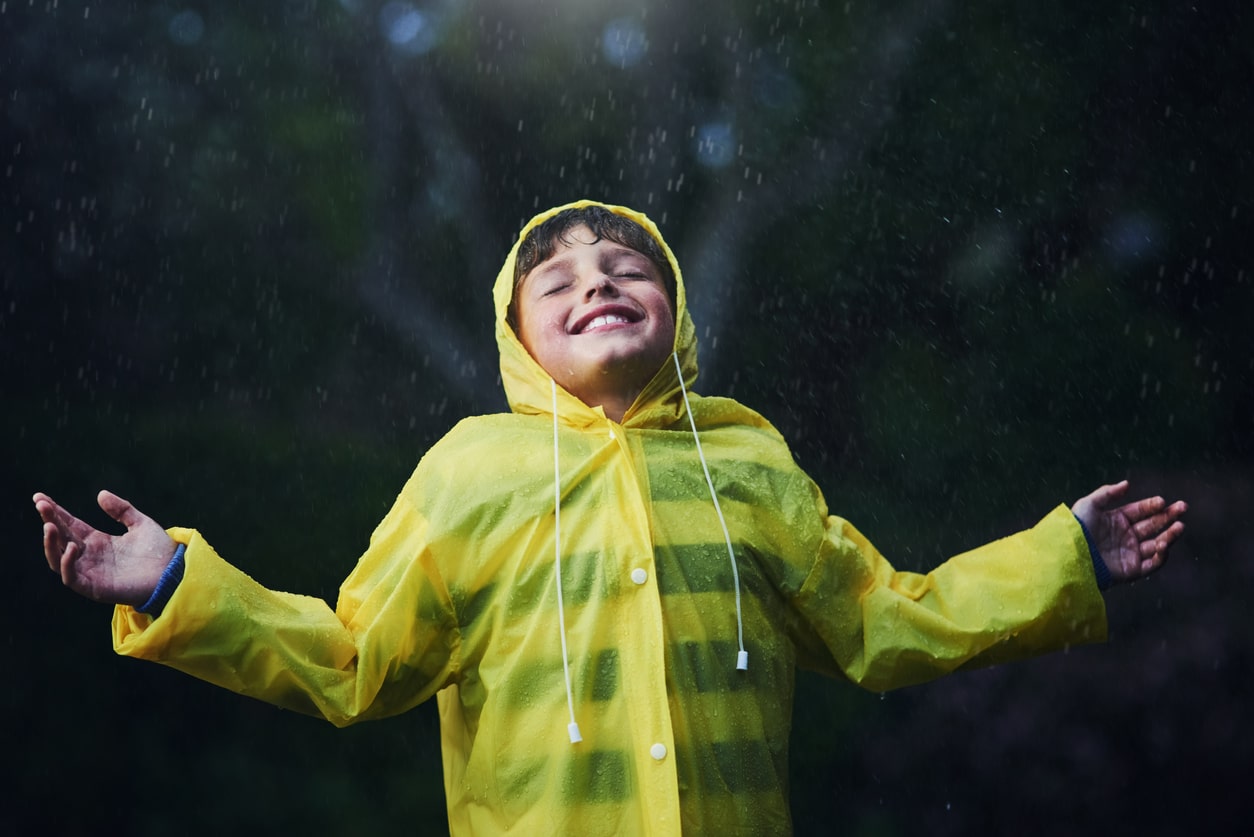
(596, 315)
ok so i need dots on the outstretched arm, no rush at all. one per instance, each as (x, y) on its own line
(391, 644)
(119, 569)
(1133, 538)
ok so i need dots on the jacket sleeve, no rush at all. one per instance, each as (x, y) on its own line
(389, 644)
(1020, 596)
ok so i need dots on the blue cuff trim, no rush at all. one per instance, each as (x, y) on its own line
(1099, 566)
(166, 585)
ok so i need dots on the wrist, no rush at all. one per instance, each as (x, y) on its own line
(1100, 571)
(166, 584)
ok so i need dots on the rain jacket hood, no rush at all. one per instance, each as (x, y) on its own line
(527, 383)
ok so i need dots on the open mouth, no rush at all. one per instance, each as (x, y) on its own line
(600, 319)
(604, 320)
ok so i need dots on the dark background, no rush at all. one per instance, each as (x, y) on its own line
(973, 259)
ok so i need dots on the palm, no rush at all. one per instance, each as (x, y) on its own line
(1132, 538)
(121, 569)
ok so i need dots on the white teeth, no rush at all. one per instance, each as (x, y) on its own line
(597, 322)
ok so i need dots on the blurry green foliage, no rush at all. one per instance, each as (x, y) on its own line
(972, 259)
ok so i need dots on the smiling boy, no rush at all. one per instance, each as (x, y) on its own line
(608, 589)
(595, 313)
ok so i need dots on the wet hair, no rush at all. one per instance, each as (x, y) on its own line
(542, 242)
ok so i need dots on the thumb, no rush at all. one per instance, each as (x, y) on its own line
(119, 509)
(1109, 495)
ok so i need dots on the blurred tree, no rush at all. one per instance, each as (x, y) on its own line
(971, 258)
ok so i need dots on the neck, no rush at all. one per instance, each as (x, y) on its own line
(615, 404)
(618, 394)
(616, 408)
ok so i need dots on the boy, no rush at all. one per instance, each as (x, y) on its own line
(609, 589)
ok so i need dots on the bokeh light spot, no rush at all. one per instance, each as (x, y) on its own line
(187, 27)
(623, 42)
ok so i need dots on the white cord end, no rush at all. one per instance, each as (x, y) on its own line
(573, 729)
(742, 661)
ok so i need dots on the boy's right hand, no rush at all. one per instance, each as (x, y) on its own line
(119, 569)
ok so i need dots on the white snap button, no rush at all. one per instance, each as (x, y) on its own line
(639, 576)
(658, 751)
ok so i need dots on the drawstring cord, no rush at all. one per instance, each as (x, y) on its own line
(572, 728)
(742, 658)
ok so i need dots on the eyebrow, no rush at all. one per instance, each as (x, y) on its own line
(626, 251)
(562, 263)
(547, 266)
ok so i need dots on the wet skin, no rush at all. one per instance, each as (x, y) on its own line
(596, 315)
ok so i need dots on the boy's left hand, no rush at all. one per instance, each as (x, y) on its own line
(1132, 538)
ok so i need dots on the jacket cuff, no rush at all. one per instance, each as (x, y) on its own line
(1100, 570)
(166, 585)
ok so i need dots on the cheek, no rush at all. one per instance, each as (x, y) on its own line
(666, 340)
(665, 316)
(541, 332)
(551, 332)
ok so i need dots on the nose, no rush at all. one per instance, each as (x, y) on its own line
(602, 285)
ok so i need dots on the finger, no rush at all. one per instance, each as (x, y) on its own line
(119, 509)
(54, 546)
(1154, 552)
(69, 526)
(1152, 523)
(48, 509)
(68, 569)
(1142, 509)
(1108, 495)
(1167, 538)
(1153, 563)
(1159, 545)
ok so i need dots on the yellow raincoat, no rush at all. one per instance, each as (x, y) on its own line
(456, 597)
